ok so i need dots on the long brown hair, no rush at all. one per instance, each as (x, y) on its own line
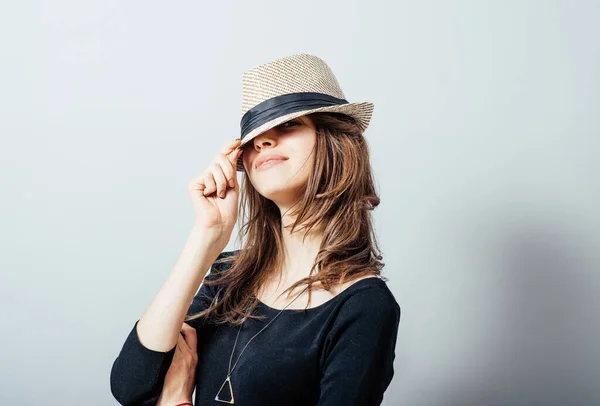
(336, 200)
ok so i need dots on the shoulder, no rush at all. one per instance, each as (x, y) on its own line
(223, 261)
(365, 323)
(369, 302)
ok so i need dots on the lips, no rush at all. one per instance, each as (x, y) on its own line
(269, 158)
(266, 165)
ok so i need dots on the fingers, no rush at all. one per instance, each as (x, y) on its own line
(211, 178)
(182, 346)
(220, 178)
(231, 146)
(221, 174)
(234, 155)
(228, 171)
(185, 354)
(185, 327)
(188, 334)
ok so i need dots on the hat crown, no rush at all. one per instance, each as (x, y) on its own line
(291, 74)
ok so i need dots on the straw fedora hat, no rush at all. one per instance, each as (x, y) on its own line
(290, 87)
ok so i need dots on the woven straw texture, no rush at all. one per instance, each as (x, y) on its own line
(291, 74)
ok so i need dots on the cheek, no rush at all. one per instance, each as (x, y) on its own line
(306, 153)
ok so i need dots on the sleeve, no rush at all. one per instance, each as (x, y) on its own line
(360, 350)
(138, 373)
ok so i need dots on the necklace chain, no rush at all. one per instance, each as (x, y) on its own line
(230, 369)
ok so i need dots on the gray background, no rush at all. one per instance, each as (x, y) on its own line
(484, 142)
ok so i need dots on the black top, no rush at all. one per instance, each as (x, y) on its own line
(338, 353)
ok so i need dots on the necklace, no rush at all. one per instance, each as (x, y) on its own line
(230, 370)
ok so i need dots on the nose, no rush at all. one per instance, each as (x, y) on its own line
(266, 139)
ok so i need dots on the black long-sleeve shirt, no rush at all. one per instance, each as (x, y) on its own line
(338, 353)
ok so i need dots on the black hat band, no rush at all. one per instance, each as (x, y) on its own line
(278, 106)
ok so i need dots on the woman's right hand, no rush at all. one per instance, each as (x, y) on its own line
(215, 193)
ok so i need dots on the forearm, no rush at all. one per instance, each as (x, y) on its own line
(159, 326)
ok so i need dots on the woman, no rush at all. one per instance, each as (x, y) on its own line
(301, 315)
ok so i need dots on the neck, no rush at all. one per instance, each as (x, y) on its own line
(299, 251)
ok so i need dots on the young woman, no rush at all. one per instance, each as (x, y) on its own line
(301, 314)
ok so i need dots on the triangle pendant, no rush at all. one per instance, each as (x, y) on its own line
(227, 380)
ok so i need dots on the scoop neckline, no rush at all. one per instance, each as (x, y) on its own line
(354, 286)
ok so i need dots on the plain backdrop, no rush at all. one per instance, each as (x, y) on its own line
(484, 142)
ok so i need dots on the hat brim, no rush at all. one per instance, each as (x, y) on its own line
(361, 111)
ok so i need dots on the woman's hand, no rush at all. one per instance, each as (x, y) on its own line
(215, 193)
(180, 380)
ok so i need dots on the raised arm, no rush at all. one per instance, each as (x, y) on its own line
(138, 373)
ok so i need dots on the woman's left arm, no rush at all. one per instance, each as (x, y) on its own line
(358, 366)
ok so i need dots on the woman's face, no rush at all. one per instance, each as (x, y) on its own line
(282, 179)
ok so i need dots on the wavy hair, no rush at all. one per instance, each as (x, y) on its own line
(336, 201)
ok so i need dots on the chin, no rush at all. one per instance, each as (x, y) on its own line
(274, 191)
(279, 191)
